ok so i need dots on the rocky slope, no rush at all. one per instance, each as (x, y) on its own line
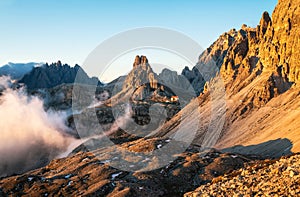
(88, 174)
(267, 178)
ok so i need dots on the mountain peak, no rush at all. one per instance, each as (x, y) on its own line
(265, 21)
(59, 63)
(140, 74)
(140, 60)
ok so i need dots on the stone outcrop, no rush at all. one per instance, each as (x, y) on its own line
(279, 49)
(140, 60)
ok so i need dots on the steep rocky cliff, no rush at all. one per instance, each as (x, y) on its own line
(279, 48)
(269, 50)
(260, 70)
(264, 95)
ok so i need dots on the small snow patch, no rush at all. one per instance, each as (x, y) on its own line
(85, 159)
(116, 175)
(146, 159)
(68, 176)
(106, 161)
(70, 182)
(30, 179)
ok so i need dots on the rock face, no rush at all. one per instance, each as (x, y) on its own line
(143, 75)
(140, 98)
(270, 49)
(173, 79)
(280, 45)
(49, 76)
(194, 78)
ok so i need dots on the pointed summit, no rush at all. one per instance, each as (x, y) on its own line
(140, 60)
(59, 63)
(141, 74)
(265, 21)
(137, 61)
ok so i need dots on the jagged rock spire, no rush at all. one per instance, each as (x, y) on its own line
(141, 73)
(265, 21)
(140, 60)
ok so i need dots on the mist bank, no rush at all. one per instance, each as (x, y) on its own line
(30, 137)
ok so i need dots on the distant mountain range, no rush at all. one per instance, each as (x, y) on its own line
(18, 70)
(42, 75)
(49, 76)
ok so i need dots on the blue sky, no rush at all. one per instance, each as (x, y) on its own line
(48, 30)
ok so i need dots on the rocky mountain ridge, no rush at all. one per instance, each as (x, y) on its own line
(49, 76)
(17, 70)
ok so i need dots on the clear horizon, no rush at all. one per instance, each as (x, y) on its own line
(48, 31)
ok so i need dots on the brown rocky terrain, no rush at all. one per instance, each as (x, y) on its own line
(267, 178)
(90, 174)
